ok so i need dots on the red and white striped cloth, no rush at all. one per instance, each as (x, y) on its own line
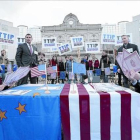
(50, 70)
(91, 115)
(35, 72)
(17, 75)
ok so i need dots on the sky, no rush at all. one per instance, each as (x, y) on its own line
(49, 13)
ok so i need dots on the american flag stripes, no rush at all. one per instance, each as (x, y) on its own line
(91, 115)
(50, 70)
(35, 72)
(17, 75)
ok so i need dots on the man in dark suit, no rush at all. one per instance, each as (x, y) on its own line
(130, 48)
(27, 55)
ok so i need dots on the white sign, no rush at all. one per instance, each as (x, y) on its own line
(49, 42)
(77, 42)
(118, 41)
(55, 49)
(63, 49)
(20, 40)
(92, 47)
(108, 38)
(7, 38)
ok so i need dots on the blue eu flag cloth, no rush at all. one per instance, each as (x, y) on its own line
(79, 68)
(98, 72)
(31, 116)
(115, 69)
(62, 75)
(43, 76)
(15, 67)
(54, 68)
(41, 67)
(3, 69)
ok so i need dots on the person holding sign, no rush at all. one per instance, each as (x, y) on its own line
(130, 48)
(27, 55)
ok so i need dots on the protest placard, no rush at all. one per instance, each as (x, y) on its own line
(92, 47)
(77, 42)
(64, 49)
(49, 42)
(108, 38)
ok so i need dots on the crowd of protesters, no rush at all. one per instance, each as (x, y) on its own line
(65, 64)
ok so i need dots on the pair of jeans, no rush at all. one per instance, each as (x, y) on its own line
(105, 77)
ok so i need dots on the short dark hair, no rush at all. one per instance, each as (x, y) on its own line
(124, 35)
(28, 34)
(3, 50)
(43, 54)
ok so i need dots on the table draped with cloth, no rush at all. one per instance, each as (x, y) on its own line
(30, 116)
(112, 113)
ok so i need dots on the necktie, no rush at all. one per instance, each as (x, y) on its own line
(30, 49)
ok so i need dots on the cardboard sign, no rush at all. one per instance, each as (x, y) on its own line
(63, 49)
(77, 42)
(92, 47)
(49, 42)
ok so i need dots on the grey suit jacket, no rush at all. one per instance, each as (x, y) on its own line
(24, 57)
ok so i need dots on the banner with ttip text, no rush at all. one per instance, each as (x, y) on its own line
(108, 38)
(7, 38)
(119, 39)
(50, 42)
(77, 42)
(55, 49)
(64, 49)
(92, 47)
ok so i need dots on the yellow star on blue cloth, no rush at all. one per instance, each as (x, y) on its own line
(21, 108)
(2, 115)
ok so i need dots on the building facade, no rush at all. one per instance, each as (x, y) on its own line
(71, 27)
(23, 30)
(36, 34)
(109, 28)
(134, 28)
(121, 27)
(6, 26)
